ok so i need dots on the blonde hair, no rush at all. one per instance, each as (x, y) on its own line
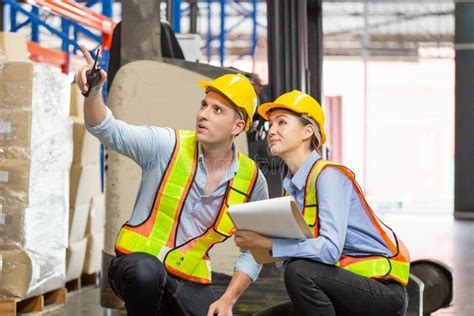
(315, 143)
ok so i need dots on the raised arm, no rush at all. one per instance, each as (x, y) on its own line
(94, 107)
(140, 143)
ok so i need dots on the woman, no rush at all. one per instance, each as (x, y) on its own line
(354, 265)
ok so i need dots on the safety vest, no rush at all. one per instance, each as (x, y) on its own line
(395, 267)
(157, 234)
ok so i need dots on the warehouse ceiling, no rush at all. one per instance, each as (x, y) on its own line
(398, 28)
(378, 29)
(393, 29)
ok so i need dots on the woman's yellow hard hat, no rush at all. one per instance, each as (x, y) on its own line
(298, 102)
(238, 90)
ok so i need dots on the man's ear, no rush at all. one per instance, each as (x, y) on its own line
(239, 126)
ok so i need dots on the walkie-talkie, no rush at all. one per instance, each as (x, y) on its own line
(93, 76)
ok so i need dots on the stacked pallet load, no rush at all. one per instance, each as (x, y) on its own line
(87, 209)
(35, 158)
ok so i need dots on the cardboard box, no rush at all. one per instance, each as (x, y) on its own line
(77, 222)
(34, 192)
(96, 220)
(16, 272)
(86, 146)
(16, 86)
(77, 102)
(12, 218)
(85, 183)
(14, 177)
(15, 133)
(14, 46)
(93, 262)
(75, 255)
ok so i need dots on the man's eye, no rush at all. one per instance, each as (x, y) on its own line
(218, 110)
(281, 123)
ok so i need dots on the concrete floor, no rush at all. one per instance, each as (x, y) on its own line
(427, 235)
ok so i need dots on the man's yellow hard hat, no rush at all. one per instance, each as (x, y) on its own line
(298, 102)
(237, 89)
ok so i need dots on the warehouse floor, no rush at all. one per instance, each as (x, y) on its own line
(427, 235)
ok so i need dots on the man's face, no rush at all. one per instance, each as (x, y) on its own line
(217, 121)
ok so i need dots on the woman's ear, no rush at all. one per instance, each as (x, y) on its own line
(308, 132)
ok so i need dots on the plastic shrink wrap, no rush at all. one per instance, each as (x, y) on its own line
(35, 158)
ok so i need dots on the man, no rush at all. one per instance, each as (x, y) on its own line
(189, 178)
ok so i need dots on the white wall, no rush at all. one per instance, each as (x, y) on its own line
(410, 128)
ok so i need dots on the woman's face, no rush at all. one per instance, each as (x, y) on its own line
(287, 133)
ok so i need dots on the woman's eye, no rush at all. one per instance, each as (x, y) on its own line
(281, 123)
(218, 110)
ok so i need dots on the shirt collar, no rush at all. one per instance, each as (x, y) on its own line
(233, 166)
(299, 178)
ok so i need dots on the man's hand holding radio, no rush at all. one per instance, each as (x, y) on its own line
(90, 78)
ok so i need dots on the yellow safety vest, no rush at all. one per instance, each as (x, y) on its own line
(396, 267)
(157, 235)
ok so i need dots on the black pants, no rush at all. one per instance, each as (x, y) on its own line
(319, 289)
(143, 283)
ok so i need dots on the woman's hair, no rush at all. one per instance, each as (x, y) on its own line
(314, 144)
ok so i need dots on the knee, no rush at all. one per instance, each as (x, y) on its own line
(305, 272)
(294, 273)
(143, 271)
(147, 270)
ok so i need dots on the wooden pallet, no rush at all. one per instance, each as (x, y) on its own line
(85, 280)
(37, 304)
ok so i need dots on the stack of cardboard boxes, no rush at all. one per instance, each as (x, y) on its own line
(35, 157)
(52, 211)
(87, 205)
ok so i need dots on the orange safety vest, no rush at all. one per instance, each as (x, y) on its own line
(395, 267)
(157, 235)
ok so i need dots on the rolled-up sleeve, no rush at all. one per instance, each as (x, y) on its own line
(140, 143)
(334, 198)
(246, 262)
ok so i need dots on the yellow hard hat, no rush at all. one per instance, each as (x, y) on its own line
(298, 102)
(238, 90)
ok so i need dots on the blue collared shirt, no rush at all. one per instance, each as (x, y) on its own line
(345, 227)
(151, 148)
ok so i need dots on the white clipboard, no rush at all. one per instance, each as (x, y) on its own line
(273, 218)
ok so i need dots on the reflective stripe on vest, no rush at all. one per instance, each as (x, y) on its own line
(157, 235)
(396, 267)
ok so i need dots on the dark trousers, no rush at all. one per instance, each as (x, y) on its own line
(147, 289)
(319, 289)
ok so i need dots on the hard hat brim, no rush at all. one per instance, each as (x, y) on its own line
(263, 109)
(204, 84)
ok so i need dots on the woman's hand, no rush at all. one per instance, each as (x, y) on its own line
(246, 239)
